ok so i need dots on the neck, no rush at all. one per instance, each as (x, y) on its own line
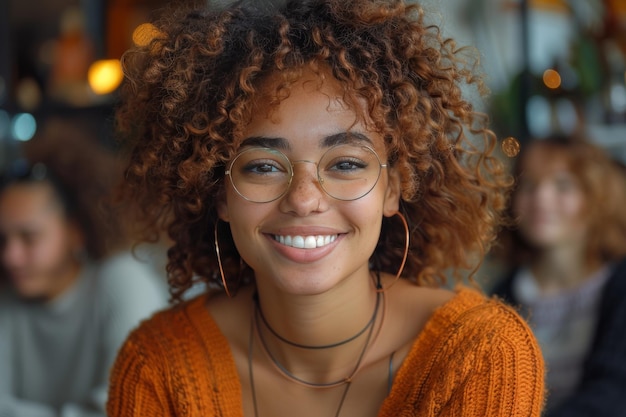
(65, 279)
(562, 268)
(336, 324)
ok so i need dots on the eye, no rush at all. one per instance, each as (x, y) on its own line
(345, 168)
(347, 164)
(565, 185)
(263, 167)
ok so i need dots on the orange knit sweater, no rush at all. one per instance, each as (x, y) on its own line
(474, 357)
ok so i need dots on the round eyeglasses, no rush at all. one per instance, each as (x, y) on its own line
(345, 172)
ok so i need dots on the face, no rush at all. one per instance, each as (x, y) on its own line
(549, 202)
(37, 243)
(339, 236)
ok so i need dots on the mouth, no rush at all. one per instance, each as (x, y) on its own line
(305, 242)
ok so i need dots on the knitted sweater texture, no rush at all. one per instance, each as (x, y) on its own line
(474, 357)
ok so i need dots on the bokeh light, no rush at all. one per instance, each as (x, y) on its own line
(28, 94)
(105, 76)
(552, 79)
(23, 126)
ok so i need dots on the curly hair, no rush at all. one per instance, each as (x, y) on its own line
(603, 182)
(190, 92)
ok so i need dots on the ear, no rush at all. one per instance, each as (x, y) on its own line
(393, 193)
(76, 236)
(222, 207)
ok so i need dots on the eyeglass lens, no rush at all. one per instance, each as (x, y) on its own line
(345, 172)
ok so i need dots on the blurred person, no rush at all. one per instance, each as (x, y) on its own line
(74, 289)
(568, 271)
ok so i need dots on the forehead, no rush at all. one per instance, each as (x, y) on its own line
(542, 161)
(310, 100)
(27, 203)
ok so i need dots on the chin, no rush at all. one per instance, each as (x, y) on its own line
(29, 291)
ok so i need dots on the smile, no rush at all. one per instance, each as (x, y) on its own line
(305, 242)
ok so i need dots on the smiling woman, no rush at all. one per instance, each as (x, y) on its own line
(311, 165)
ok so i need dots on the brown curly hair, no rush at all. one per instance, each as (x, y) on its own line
(603, 182)
(189, 94)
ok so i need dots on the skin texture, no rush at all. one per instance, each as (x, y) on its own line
(37, 241)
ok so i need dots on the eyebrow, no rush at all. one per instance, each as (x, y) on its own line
(327, 142)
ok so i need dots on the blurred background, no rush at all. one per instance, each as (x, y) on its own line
(551, 65)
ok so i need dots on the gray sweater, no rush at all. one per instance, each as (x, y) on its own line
(55, 358)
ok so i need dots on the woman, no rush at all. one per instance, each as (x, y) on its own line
(569, 271)
(73, 289)
(311, 165)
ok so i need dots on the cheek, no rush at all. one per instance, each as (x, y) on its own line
(573, 207)
(367, 216)
(526, 204)
(51, 249)
(244, 219)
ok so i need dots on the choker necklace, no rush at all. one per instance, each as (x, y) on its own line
(285, 372)
(258, 308)
(254, 324)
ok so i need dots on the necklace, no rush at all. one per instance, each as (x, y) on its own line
(302, 346)
(347, 381)
(285, 372)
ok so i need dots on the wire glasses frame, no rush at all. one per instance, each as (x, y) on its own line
(345, 172)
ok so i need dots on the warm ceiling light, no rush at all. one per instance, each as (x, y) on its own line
(105, 76)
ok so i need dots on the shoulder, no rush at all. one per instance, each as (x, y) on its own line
(475, 345)
(617, 278)
(472, 329)
(485, 319)
(123, 279)
(124, 269)
(172, 342)
(186, 327)
(614, 294)
(180, 360)
(168, 324)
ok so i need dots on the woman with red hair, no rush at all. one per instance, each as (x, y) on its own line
(568, 259)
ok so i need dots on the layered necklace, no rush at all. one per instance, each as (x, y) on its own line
(259, 318)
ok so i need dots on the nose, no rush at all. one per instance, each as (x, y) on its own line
(305, 194)
(543, 195)
(12, 253)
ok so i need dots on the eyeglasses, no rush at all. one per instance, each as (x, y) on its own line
(345, 172)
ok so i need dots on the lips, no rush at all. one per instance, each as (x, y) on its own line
(305, 242)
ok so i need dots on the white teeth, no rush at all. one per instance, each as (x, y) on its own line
(298, 242)
(306, 242)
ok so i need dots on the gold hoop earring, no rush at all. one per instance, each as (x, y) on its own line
(219, 264)
(407, 237)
